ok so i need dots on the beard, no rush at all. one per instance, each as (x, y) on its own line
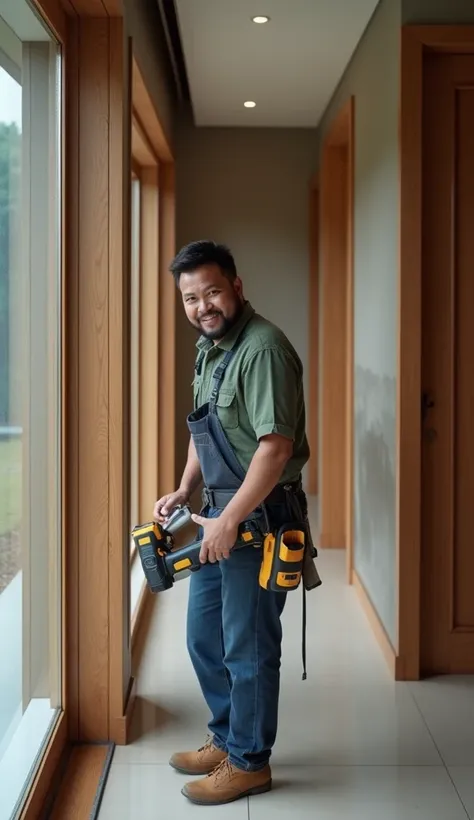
(222, 326)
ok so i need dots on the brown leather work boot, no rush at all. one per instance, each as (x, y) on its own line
(201, 762)
(226, 784)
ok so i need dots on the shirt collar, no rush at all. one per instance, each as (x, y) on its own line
(229, 340)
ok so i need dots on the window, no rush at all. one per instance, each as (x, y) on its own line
(144, 343)
(30, 396)
(135, 351)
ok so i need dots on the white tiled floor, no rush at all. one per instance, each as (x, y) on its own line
(352, 744)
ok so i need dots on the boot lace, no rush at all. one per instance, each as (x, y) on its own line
(223, 771)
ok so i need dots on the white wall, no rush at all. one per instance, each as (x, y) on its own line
(372, 77)
(247, 188)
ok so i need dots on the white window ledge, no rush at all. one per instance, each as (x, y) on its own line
(20, 756)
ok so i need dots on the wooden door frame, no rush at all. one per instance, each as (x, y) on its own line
(415, 41)
(313, 336)
(342, 134)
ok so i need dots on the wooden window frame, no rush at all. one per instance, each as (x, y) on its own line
(151, 164)
(86, 557)
(54, 17)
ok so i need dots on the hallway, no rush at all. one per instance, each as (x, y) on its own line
(352, 744)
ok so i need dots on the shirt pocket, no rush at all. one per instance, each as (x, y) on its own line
(227, 409)
(196, 384)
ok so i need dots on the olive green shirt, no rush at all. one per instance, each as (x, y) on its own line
(261, 392)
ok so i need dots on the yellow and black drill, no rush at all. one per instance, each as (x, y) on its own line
(162, 565)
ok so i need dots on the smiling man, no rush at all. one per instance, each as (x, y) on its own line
(248, 445)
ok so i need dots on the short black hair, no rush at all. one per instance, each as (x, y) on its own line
(203, 252)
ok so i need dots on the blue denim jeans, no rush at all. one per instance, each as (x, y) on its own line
(234, 639)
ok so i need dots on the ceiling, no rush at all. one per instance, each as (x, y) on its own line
(289, 66)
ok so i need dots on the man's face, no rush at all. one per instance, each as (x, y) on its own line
(212, 302)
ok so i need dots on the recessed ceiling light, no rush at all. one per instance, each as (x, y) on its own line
(260, 19)
(250, 104)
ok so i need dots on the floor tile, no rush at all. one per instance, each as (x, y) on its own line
(352, 744)
(348, 725)
(359, 793)
(154, 793)
(447, 706)
(463, 778)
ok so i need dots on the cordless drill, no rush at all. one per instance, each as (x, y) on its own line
(163, 565)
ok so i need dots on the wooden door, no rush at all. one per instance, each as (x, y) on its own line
(447, 571)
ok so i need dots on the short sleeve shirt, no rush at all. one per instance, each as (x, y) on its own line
(262, 390)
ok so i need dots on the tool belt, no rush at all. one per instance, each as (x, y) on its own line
(220, 498)
(288, 551)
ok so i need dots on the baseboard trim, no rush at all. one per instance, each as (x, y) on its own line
(377, 627)
(120, 726)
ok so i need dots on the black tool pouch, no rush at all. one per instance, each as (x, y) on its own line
(298, 504)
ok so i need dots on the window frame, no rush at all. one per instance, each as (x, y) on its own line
(79, 692)
(54, 19)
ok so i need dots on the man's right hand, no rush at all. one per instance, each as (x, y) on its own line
(165, 506)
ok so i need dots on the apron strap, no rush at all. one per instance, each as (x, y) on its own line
(218, 376)
(198, 365)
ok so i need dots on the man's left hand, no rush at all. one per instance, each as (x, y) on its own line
(219, 537)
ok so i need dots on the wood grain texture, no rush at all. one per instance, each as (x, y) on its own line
(86, 8)
(337, 357)
(114, 8)
(148, 116)
(409, 359)
(80, 783)
(142, 149)
(334, 345)
(414, 40)
(94, 379)
(447, 635)
(71, 632)
(54, 15)
(120, 116)
(313, 342)
(167, 329)
(98, 630)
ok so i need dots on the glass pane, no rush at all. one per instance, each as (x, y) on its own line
(30, 390)
(135, 348)
(136, 576)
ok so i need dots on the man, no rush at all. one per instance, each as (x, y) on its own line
(248, 445)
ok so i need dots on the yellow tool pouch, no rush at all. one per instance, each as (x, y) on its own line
(283, 558)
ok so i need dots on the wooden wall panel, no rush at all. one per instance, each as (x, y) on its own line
(71, 384)
(334, 343)
(120, 114)
(167, 352)
(99, 120)
(54, 14)
(93, 378)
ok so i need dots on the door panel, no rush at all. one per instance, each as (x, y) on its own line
(448, 366)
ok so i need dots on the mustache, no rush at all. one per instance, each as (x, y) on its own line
(209, 315)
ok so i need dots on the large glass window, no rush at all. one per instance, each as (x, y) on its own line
(30, 391)
(135, 352)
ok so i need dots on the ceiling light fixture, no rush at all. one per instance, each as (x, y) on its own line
(260, 19)
(250, 104)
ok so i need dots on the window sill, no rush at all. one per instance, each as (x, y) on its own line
(24, 749)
